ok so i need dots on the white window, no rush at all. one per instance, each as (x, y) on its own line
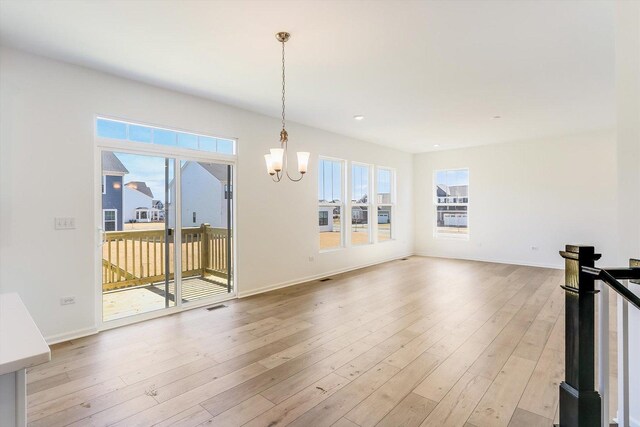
(360, 204)
(117, 129)
(451, 200)
(109, 219)
(330, 203)
(385, 201)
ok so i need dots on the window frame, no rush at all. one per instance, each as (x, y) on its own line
(391, 205)
(323, 220)
(436, 203)
(367, 205)
(341, 204)
(115, 220)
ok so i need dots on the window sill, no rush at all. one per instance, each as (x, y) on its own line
(451, 237)
(386, 241)
(327, 251)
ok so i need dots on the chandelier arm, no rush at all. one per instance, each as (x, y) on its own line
(277, 177)
(294, 180)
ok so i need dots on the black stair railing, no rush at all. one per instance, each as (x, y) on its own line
(580, 403)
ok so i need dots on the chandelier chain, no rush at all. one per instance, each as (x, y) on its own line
(283, 85)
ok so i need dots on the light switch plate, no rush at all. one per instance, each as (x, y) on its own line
(65, 223)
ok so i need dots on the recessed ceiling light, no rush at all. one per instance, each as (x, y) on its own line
(358, 117)
(436, 145)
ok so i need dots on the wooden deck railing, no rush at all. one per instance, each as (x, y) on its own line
(136, 257)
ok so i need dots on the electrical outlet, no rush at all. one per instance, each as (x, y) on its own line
(67, 300)
(311, 258)
(534, 248)
(65, 223)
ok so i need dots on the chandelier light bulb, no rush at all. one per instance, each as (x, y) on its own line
(276, 158)
(303, 161)
(270, 170)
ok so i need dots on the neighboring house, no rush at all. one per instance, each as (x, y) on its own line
(384, 215)
(205, 191)
(359, 215)
(112, 192)
(325, 218)
(138, 203)
(452, 209)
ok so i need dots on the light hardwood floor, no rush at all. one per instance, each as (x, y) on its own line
(425, 341)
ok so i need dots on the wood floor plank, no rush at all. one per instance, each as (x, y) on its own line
(295, 406)
(336, 406)
(410, 412)
(541, 394)
(192, 417)
(454, 409)
(242, 412)
(302, 379)
(343, 422)
(168, 408)
(501, 399)
(375, 407)
(522, 418)
(246, 390)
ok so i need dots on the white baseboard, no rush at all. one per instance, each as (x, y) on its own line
(495, 261)
(307, 279)
(67, 336)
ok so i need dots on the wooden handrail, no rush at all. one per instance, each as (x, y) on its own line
(609, 277)
(135, 257)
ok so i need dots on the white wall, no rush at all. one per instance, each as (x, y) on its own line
(47, 112)
(628, 125)
(542, 193)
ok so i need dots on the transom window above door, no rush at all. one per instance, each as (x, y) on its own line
(127, 131)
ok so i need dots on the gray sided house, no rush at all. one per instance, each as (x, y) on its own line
(452, 205)
(113, 172)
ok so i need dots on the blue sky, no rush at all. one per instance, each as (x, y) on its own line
(453, 177)
(147, 169)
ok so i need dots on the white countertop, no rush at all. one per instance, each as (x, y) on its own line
(21, 343)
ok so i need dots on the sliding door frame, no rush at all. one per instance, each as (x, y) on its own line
(176, 154)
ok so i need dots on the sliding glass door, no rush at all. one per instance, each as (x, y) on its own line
(206, 220)
(166, 232)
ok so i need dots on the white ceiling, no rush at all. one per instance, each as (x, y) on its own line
(421, 72)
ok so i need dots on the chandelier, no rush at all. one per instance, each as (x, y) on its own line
(277, 160)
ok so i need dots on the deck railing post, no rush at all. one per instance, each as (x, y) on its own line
(579, 401)
(204, 249)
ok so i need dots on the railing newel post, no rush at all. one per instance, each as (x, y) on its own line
(580, 403)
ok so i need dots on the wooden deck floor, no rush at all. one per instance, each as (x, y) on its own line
(429, 342)
(143, 299)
